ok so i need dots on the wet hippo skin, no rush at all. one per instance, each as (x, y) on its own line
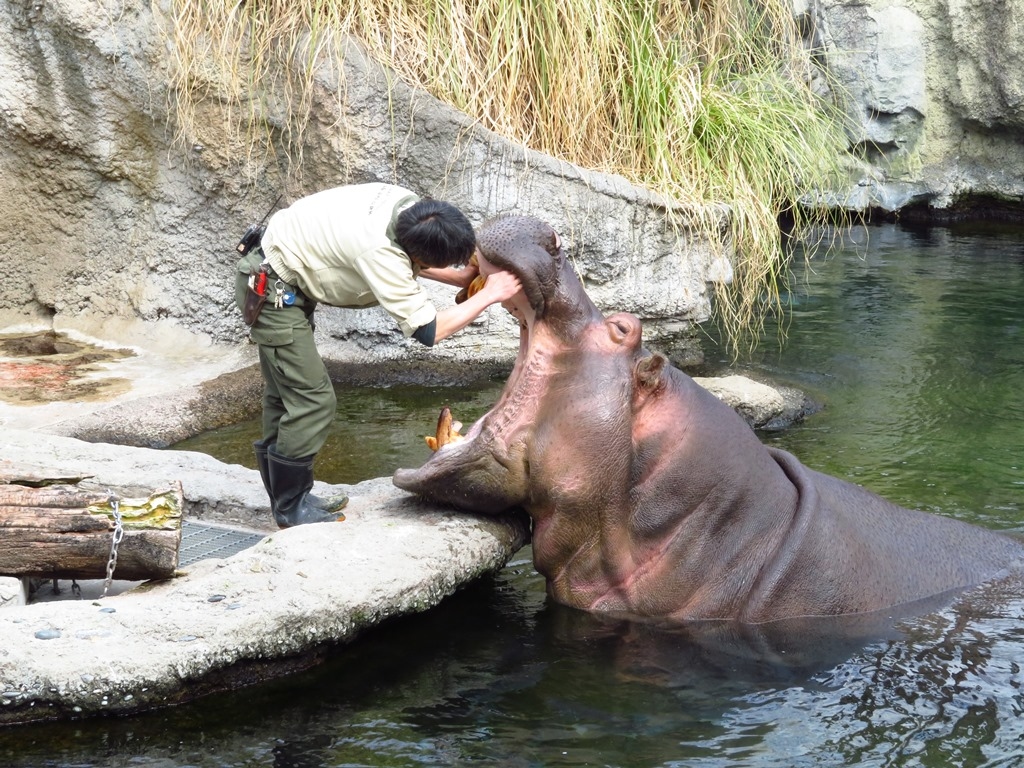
(650, 498)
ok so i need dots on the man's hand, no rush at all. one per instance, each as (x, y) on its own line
(500, 286)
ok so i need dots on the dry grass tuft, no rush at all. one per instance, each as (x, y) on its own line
(705, 101)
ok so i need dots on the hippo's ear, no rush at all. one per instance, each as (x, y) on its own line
(649, 374)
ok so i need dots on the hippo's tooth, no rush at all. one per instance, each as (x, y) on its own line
(447, 431)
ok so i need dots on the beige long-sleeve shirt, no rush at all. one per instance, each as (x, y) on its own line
(338, 247)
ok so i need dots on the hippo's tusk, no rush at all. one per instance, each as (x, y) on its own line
(471, 289)
(447, 431)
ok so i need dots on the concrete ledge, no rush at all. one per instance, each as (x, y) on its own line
(267, 611)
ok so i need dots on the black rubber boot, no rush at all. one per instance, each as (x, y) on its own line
(330, 504)
(262, 464)
(291, 481)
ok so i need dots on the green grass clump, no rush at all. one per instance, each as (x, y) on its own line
(704, 101)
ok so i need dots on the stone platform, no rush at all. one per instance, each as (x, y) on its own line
(268, 610)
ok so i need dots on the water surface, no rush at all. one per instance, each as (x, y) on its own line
(914, 342)
(374, 432)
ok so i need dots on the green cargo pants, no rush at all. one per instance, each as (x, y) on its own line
(298, 398)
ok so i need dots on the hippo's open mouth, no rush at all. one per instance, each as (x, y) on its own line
(485, 469)
(488, 469)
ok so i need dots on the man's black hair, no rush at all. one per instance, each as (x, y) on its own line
(436, 233)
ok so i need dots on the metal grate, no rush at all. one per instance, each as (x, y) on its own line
(201, 541)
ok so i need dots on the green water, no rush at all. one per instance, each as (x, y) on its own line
(914, 342)
(374, 432)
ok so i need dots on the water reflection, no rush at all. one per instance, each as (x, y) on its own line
(916, 345)
(500, 677)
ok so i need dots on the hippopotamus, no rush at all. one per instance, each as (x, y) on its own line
(651, 499)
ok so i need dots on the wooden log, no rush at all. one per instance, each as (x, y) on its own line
(67, 532)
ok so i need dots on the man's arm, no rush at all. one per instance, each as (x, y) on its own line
(500, 286)
(451, 275)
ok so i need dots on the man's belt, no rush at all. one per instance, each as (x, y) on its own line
(283, 294)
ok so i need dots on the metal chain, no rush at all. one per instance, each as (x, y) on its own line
(118, 535)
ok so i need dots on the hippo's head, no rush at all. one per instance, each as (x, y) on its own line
(529, 248)
(532, 250)
(569, 354)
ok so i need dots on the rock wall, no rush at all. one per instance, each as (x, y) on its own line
(935, 93)
(111, 229)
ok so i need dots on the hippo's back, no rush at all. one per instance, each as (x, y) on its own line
(875, 554)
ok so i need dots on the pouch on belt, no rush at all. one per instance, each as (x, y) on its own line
(255, 287)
